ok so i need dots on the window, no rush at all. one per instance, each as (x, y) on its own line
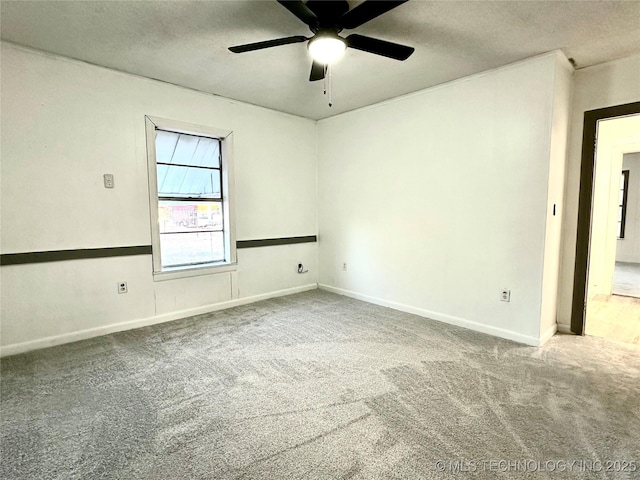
(622, 204)
(191, 195)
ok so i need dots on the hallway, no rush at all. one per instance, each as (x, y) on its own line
(626, 279)
(614, 317)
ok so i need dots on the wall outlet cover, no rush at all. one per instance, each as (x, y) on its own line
(108, 180)
(505, 295)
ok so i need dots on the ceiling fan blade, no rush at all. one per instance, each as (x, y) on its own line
(379, 47)
(317, 72)
(366, 11)
(328, 11)
(267, 44)
(300, 10)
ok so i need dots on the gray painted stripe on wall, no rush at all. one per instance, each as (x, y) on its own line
(267, 242)
(85, 253)
(61, 255)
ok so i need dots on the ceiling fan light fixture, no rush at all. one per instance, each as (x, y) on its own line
(327, 49)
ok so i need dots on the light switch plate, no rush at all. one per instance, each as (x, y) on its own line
(108, 180)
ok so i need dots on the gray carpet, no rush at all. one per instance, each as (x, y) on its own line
(318, 386)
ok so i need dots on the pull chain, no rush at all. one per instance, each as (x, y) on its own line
(329, 75)
(324, 79)
(327, 82)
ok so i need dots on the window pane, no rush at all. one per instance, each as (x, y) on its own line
(186, 149)
(207, 153)
(165, 145)
(189, 216)
(182, 249)
(188, 182)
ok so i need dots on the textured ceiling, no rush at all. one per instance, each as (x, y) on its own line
(185, 43)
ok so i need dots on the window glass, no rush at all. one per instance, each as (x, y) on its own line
(622, 205)
(188, 216)
(188, 182)
(183, 149)
(191, 249)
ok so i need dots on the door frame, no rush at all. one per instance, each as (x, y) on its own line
(583, 235)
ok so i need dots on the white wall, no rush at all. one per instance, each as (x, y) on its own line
(614, 136)
(555, 197)
(600, 86)
(65, 124)
(438, 200)
(628, 248)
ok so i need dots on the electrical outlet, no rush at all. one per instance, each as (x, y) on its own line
(122, 287)
(344, 266)
(108, 180)
(505, 295)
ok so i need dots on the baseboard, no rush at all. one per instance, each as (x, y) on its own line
(564, 329)
(547, 334)
(23, 347)
(441, 317)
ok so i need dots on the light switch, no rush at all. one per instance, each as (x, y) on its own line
(108, 180)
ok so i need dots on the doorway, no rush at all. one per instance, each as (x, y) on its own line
(607, 270)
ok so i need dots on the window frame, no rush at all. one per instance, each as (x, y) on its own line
(625, 193)
(228, 197)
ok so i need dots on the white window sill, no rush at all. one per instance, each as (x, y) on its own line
(184, 272)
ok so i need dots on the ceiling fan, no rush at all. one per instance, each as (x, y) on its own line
(326, 19)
